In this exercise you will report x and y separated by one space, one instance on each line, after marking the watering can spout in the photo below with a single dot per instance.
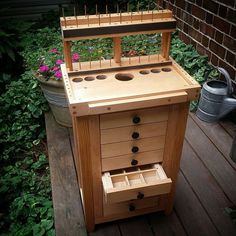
228 105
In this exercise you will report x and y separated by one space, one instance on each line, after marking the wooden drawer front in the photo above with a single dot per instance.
123 148
126 118
126 161
133 132
136 184
130 207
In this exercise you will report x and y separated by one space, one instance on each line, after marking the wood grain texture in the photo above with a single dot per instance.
108 229
216 133
138 226
67 54
166 225
68 212
190 211
117 49
212 196
125 118
85 162
96 165
178 115
218 166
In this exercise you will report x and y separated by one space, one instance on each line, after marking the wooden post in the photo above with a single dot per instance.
165 44
117 49
178 115
67 54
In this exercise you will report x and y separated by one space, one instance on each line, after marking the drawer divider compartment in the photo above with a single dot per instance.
128 184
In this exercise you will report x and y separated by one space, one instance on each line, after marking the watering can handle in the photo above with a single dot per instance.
228 79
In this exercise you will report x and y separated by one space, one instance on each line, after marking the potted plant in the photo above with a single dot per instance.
49 76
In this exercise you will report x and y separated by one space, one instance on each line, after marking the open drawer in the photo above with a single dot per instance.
135 183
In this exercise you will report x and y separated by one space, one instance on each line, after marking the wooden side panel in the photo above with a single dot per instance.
165 44
81 129
174 141
117 49
67 54
95 150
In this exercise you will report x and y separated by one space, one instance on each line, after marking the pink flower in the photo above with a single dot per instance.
54 50
55 68
43 69
75 57
58 74
59 62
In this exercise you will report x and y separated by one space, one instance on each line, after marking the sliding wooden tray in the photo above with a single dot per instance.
144 182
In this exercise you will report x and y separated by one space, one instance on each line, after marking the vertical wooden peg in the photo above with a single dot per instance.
63 15
67 53
117 49
96 9
106 10
85 10
120 17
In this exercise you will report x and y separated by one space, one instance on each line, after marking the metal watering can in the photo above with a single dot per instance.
216 100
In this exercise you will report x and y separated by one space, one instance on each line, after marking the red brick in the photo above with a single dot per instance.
180 3
208 53
223 11
186 38
230 58
198 12
201 50
229 2
193 43
205 41
217 49
233 31
227 67
207 29
199 2
214 59
230 43
188 18
231 16
196 23
195 34
221 24
186 28
180 24
211 6
209 18
218 37
188 7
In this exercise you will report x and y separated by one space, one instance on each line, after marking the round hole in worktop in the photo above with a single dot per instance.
89 78
124 76
144 72
101 77
78 79
155 70
166 69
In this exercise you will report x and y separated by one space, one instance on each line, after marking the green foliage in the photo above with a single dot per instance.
22 106
197 66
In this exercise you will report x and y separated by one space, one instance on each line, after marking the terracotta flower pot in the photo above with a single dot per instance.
55 95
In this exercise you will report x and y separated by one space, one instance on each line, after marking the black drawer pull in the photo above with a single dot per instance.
134 162
140 195
134 149
136 119
131 207
135 135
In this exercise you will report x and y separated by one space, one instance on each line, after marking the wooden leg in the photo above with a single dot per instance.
67 53
178 115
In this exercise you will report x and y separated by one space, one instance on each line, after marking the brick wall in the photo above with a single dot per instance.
210 25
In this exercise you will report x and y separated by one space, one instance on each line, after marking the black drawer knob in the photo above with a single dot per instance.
140 195
134 149
136 119
135 135
131 207
134 162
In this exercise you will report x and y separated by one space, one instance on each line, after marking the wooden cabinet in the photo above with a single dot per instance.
118 180
129 116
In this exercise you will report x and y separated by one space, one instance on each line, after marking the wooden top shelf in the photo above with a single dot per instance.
116 24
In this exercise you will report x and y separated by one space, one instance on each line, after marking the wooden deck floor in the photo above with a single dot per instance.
206 186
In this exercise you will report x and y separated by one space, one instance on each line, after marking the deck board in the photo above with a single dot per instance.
205 186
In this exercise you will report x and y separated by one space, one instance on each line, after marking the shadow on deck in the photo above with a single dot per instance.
206 186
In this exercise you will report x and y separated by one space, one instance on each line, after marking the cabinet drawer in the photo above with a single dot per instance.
135 117
134 146
133 132
130 207
126 161
140 183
